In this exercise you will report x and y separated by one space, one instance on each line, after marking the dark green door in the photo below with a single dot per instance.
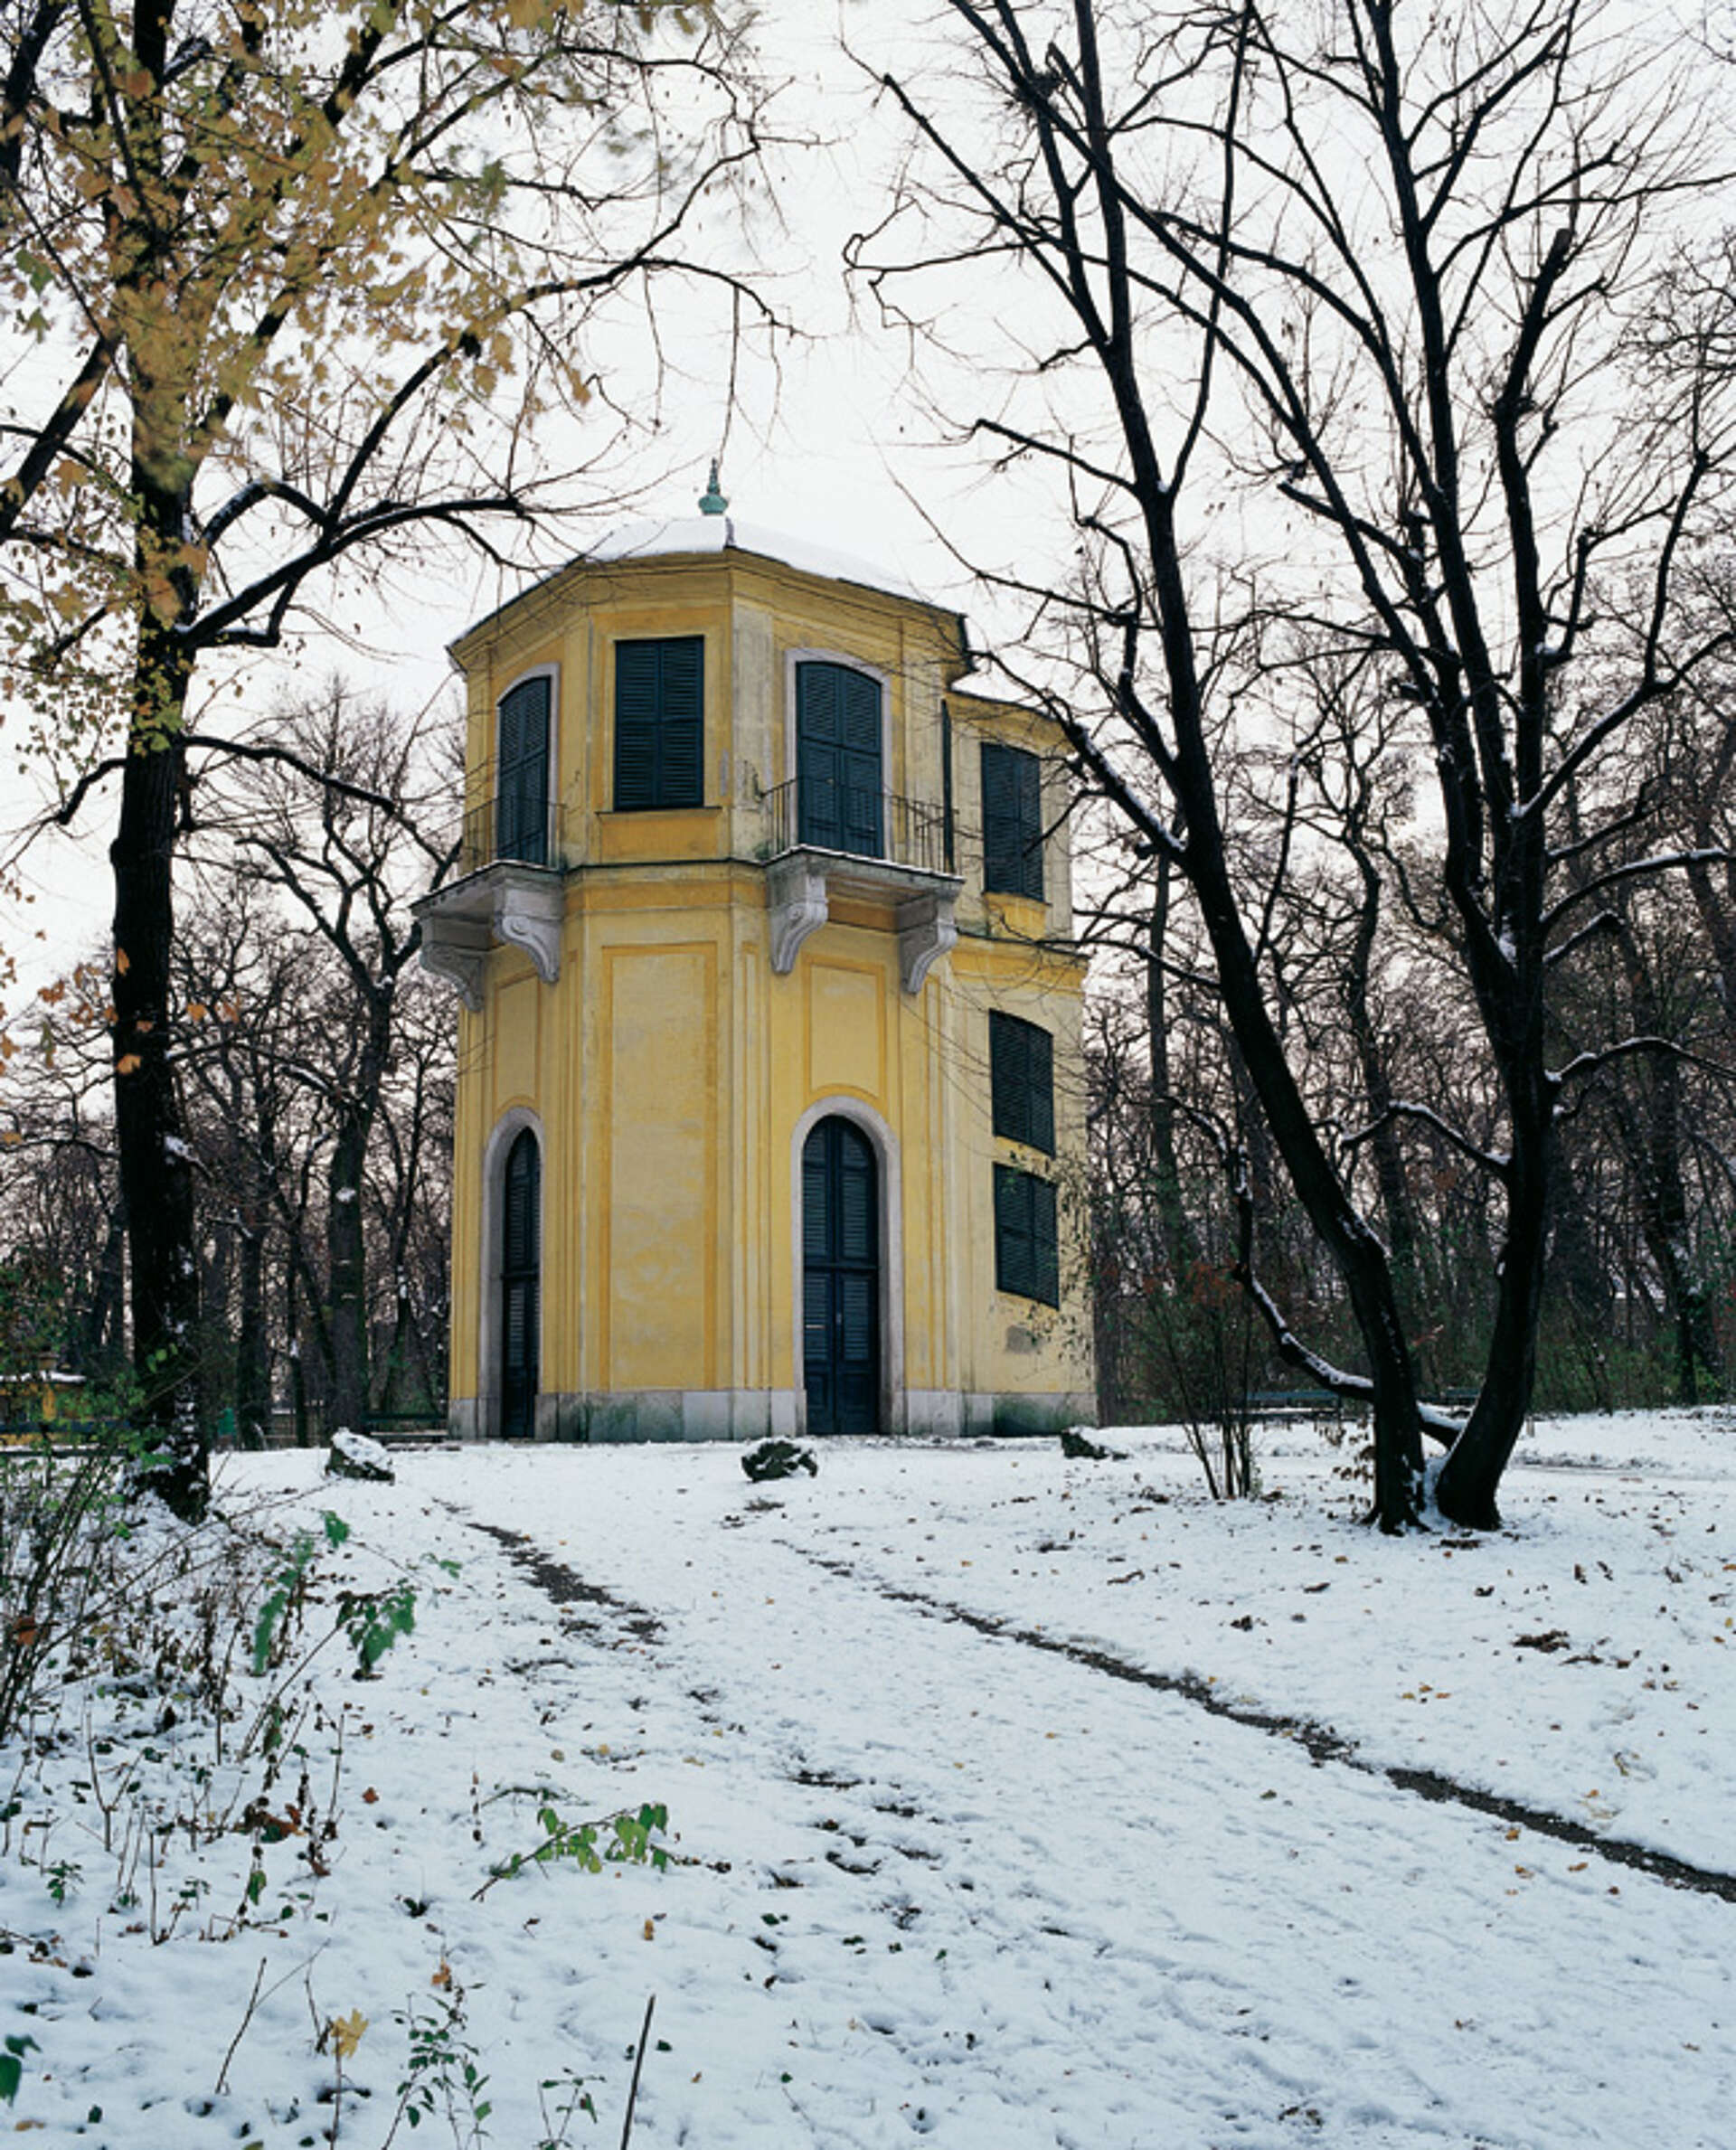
519 1281
837 759
840 1281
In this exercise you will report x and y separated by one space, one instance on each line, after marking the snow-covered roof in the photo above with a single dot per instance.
654 538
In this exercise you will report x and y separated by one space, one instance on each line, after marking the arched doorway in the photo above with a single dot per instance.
840 1280
520 1285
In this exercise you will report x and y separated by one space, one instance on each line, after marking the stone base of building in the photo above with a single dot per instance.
762 1414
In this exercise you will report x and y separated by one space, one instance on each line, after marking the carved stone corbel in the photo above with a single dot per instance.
529 916
796 897
927 929
457 949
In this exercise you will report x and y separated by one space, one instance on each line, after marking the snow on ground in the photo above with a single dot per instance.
925 1878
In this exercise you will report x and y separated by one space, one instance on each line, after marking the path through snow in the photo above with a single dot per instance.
937 1881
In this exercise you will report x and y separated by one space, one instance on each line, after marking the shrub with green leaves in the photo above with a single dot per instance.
370 1620
11 2064
632 1839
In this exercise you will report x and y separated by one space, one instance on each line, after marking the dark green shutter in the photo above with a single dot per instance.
946 787
1045 1242
816 1234
1012 821
636 724
1000 817
1022 1081
861 765
856 1295
522 768
660 723
1026 1242
838 759
1011 1231
522 1176
520 1280
1041 1090
682 729
819 806
857 1223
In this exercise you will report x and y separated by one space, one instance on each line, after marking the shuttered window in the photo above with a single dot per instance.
660 723
1012 821
1022 1081
838 759
1027 1256
522 801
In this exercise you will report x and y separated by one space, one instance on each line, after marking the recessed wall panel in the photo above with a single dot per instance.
846 1029
518 1013
661 1198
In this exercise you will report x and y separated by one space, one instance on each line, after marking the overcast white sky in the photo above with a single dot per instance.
827 440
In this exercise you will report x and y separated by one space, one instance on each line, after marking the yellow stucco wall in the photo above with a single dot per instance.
668 1070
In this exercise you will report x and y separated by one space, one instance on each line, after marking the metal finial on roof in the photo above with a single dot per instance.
711 501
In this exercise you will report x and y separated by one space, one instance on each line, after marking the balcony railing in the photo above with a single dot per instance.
507 889
856 844
510 829
900 832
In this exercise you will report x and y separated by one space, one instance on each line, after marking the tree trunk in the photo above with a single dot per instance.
155 1168
300 1418
1655 1159
1577 1266
1377 1086
346 1283
252 1359
214 1371
1466 1489
1357 1251
104 1335
1717 907
346 1311
1180 1247
1575 1258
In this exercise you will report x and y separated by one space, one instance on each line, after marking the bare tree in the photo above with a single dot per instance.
344 849
249 993
1352 334
60 1219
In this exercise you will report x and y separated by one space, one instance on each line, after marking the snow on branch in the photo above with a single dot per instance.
1661 861
1492 1161
1584 1064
